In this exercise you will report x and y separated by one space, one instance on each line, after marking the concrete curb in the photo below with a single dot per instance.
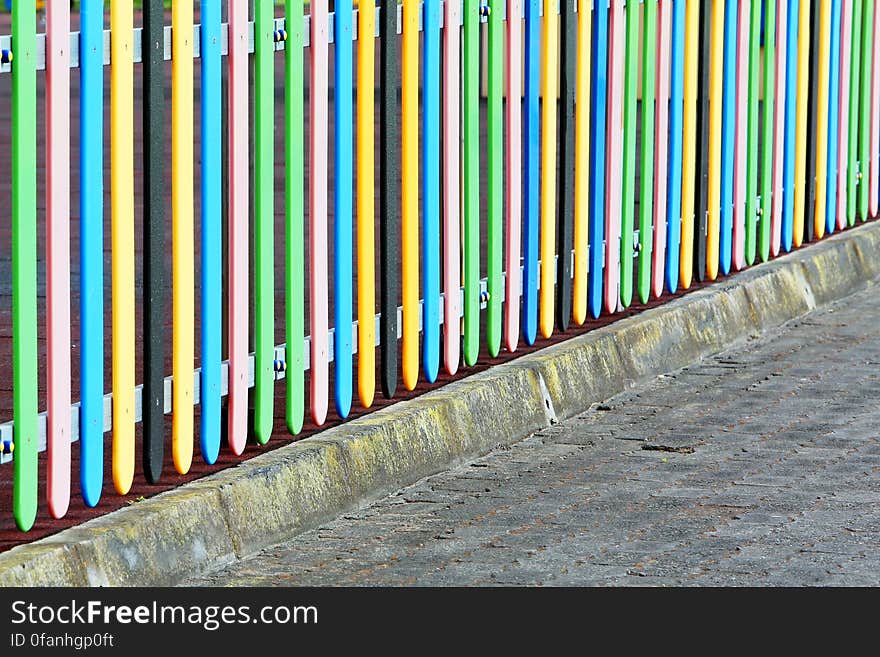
230 514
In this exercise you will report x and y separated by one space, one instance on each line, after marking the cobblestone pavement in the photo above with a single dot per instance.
760 466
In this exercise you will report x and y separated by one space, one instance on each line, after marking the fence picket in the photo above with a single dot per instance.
532 179
581 234
431 172
514 174
599 139
238 226
874 193
91 245
410 192
366 180
674 215
753 200
318 284
789 123
741 145
689 145
153 393
211 230
613 182
549 89
728 137
648 135
823 112
833 118
58 255
661 218
864 125
628 190
24 263
264 221
852 149
801 90
451 188
182 234
122 239
809 130
704 149
471 181
343 143
779 127
566 146
494 176
389 183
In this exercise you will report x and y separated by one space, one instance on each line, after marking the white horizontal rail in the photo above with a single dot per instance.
6 42
7 428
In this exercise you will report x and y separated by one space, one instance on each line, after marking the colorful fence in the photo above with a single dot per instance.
690 139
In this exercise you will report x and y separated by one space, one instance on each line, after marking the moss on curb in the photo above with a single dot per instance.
233 513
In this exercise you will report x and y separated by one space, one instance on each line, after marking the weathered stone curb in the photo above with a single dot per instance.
292 489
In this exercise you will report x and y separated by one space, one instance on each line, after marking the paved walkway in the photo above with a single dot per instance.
758 467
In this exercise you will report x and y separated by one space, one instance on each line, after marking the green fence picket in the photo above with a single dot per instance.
630 103
24 261
294 217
